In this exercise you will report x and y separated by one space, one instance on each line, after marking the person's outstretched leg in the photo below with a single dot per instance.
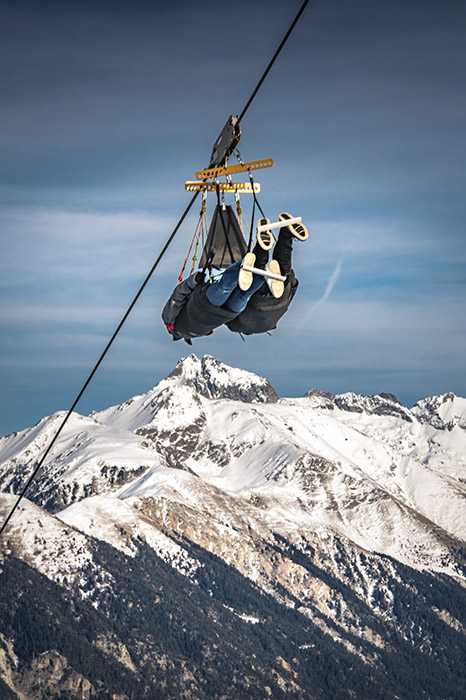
262 256
284 247
219 291
283 251
239 298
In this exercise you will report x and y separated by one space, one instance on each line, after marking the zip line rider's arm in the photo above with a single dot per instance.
178 299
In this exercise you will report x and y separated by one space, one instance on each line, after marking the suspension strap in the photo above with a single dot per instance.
239 212
252 224
195 238
222 218
200 234
255 203
189 251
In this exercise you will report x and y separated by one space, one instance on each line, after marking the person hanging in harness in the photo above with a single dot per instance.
272 300
195 307
239 299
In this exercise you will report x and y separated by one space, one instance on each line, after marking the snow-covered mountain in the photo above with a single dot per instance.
386 478
315 499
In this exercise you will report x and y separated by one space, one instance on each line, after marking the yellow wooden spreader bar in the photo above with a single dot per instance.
230 169
194 186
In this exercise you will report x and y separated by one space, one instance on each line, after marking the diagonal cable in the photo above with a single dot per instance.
272 60
143 285
98 363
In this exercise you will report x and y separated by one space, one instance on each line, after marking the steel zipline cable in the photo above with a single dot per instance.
272 60
96 367
41 462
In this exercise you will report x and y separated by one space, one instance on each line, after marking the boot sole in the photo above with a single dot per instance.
277 287
265 238
299 231
245 277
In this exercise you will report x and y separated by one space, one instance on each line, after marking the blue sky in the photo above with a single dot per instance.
109 107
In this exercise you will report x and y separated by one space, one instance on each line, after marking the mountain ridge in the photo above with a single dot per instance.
372 445
335 507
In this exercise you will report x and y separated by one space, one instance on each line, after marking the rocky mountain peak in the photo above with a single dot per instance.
378 404
443 412
215 380
383 404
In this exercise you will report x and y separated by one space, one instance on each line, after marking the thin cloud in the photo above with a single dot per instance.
331 283
328 290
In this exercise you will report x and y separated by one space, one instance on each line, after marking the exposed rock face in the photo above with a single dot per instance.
50 675
179 421
214 380
378 405
443 412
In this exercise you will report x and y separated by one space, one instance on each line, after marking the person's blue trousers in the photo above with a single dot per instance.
225 291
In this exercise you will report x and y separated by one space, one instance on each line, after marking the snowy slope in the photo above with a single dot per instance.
44 541
88 457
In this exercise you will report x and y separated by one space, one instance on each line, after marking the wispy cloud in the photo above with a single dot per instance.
328 290
331 283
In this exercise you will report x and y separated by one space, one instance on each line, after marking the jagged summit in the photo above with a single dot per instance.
443 412
383 404
215 380
178 394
